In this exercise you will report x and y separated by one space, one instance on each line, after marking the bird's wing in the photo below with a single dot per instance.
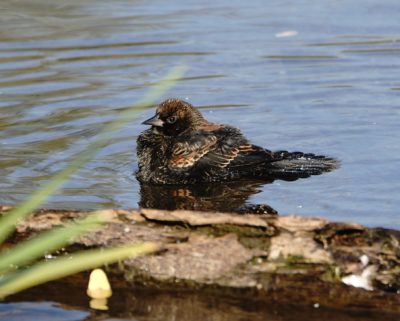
188 151
250 155
223 148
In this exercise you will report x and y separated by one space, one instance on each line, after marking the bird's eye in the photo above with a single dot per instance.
171 119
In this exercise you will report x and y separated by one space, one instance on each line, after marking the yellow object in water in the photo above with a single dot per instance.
99 287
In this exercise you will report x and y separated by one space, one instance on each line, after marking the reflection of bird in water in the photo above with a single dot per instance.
221 197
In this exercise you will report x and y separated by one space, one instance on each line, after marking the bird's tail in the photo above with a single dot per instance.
291 166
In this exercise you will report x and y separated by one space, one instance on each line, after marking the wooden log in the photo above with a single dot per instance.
289 259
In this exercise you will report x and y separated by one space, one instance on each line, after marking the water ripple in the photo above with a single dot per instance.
68 68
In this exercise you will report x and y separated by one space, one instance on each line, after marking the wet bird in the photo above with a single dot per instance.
182 147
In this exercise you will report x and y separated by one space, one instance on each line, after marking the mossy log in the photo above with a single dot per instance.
290 259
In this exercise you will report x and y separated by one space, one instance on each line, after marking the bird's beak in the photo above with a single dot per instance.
154 121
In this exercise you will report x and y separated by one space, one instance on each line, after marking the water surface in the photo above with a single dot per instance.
144 305
304 75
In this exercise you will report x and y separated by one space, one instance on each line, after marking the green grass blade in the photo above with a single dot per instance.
8 221
77 262
47 242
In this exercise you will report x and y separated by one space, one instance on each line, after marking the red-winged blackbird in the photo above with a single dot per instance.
182 147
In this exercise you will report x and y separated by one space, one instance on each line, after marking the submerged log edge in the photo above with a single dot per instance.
291 259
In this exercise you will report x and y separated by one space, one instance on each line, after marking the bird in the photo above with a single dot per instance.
181 147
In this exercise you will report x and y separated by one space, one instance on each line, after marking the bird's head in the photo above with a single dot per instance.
175 116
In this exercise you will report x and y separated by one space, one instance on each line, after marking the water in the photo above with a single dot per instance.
138 305
313 76
26 311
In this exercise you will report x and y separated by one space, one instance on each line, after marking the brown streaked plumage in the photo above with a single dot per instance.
182 147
